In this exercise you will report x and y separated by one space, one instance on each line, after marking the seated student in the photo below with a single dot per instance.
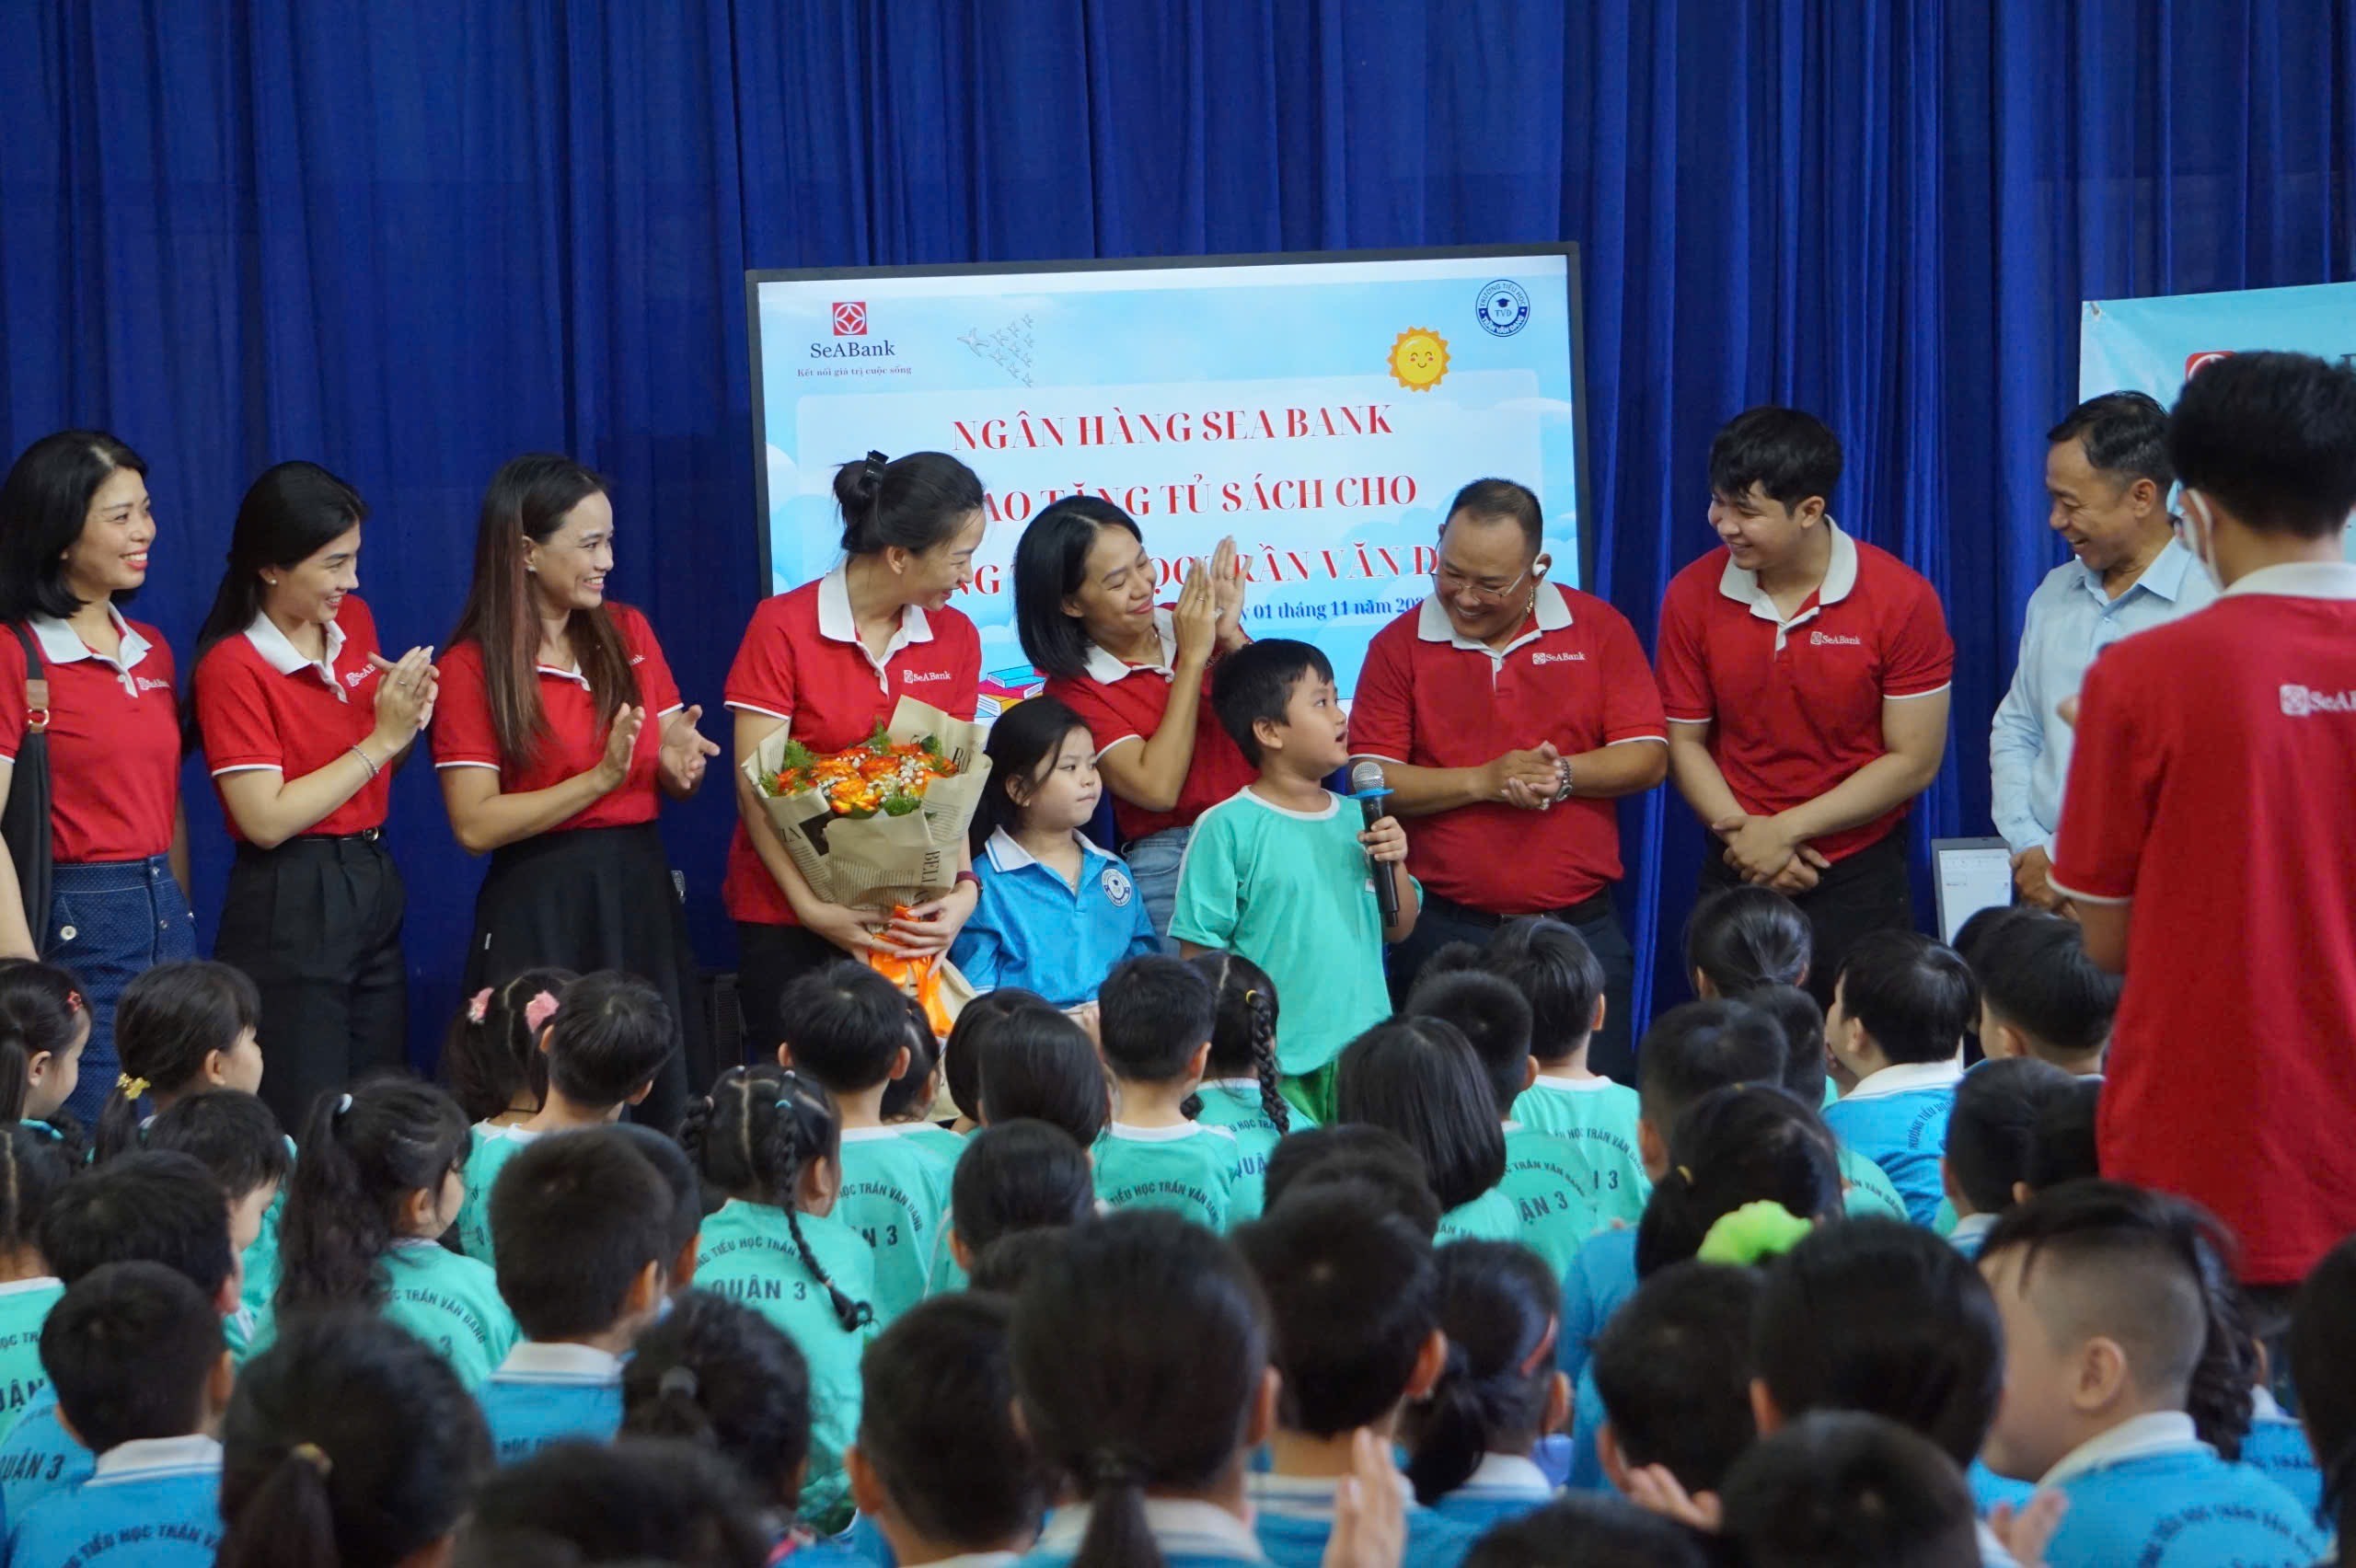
939 1468
2320 1349
1672 1375
1016 1176
850 1034
1901 1005
1587 1530
180 1028
770 1140
603 1044
32 1169
636 1501
1386 1169
1549 963
1353 1295
678 1173
908 1099
1242 1089
968 1042
2041 994
44 1023
1139 1348
1418 1078
1040 1064
236 1138
1278 872
1545 1179
2061 1142
1740 939
135 1354
1470 1443
1006 1265
1989 1135
1802 1021
2276 1443
1883 1317
1053 912
583 1225
1155 1017
720 1376
491 1060
1841 1490
142 1207
2111 1352
380 1177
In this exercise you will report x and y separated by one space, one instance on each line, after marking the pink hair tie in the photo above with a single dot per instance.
537 1011
478 1006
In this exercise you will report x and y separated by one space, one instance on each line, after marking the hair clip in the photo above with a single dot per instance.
314 1456
133 1088
1542 1349
72 1001
873 469
343 1104
537 1011
1251 996
680 1381
1751 1234
478 1006
1686 1171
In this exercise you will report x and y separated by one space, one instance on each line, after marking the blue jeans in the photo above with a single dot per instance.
108 921
1153 865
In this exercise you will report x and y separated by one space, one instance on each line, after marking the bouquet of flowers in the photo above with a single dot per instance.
879 825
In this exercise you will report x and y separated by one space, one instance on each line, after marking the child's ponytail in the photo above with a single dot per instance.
806 1128
2219 1398
491 1059
1500 1309
171 1019
1738 1145
33 1167
362 1152
1244 1037
718 1374
754 1136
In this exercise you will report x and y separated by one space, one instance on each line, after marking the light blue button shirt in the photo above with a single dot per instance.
1032 928
2071 619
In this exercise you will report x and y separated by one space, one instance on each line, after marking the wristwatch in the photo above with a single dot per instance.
1568 790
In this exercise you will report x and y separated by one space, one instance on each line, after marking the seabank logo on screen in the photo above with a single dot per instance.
850 338
850 318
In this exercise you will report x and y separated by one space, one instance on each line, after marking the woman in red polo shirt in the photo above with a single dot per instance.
829 660
559 730
1138 672
75 525
301 723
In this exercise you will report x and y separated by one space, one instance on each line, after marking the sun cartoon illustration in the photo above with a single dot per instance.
1419 359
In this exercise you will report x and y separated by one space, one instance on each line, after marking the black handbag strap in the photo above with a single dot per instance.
35 682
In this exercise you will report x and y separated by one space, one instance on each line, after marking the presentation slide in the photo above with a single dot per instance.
1320 411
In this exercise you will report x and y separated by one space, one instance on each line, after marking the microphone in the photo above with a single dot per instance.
1367 790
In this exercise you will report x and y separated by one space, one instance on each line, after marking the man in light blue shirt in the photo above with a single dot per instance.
2107 472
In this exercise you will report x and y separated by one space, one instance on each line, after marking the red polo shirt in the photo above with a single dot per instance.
1123 703
573 741
260 705
801 661
2208 786
114 748
1575 675
1794 706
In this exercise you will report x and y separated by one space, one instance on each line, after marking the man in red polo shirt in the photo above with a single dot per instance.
2206 842
1508 713
1804 673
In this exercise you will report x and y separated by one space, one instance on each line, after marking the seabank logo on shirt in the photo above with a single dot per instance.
353 677
147 685
2303 702
910 678
1558 658
1833 640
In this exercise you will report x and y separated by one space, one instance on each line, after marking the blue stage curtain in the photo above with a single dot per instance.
410 241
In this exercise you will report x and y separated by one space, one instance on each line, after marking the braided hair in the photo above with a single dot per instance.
1244 1038
754 1136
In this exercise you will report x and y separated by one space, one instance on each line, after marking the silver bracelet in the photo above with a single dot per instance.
1567 789
372 768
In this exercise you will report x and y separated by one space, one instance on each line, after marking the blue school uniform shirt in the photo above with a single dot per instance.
1969 1233
1502 1488
492 1148
1234 1104
545 1393
2277 1446
1601 1276
2148 1493
24 1307
1547 1180
1294 1517
1191 1535
1188 1169
37 1459
1898 1119
154 1503
1600 1118
895 1195
1032 928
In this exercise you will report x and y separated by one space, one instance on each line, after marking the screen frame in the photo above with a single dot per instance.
1582 486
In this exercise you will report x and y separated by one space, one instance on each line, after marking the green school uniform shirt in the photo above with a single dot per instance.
895 1195
1291 891
1234 1104
1188 1169
1547 1181
937 1140
1492 1217
1871 1192
24 1307
746 1253
1599 1117
261 1260
453 1303
492 1148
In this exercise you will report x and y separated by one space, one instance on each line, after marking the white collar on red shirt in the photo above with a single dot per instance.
2300 580
278 651
1546 603
1107 667
836 624
61 644
1840 578
1905 1077
2141 1436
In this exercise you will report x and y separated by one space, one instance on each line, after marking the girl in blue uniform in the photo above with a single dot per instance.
721 1375
1470 1443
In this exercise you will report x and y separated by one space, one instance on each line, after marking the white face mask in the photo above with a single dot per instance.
2201 534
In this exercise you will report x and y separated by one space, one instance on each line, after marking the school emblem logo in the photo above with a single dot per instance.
850 318
1117 887
1503 308
1418 359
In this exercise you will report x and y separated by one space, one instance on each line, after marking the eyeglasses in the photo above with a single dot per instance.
1451 582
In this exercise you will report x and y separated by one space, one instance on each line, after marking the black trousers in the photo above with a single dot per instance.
1611 1052
769 959
317 925
1865 892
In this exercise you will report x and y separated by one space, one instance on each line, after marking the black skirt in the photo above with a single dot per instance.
595 898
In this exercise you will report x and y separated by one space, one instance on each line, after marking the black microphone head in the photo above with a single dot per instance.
1366 776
